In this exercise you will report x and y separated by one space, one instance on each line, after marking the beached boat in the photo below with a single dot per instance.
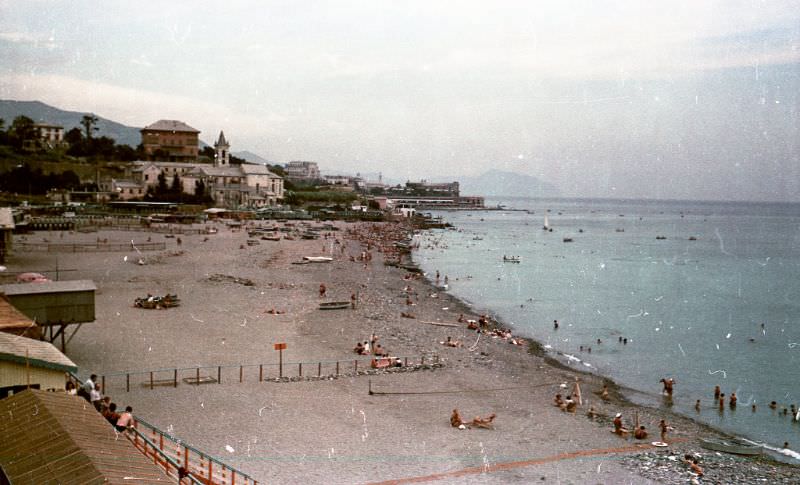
334 305
733 445
317 259
273 237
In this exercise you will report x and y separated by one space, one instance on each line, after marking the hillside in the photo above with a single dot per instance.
43 113
496 183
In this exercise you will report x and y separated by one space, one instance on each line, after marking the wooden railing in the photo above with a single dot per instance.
181 459
88 247
216 374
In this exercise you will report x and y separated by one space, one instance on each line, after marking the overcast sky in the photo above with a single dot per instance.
682 99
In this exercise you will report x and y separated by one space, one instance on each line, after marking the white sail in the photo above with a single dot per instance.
546 223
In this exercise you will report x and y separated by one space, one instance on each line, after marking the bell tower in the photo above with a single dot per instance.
222 155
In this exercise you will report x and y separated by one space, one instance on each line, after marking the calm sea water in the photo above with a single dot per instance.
691 309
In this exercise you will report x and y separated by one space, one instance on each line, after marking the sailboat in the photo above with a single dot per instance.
546 226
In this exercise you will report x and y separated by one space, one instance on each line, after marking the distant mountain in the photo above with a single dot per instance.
42 113
496 183
252 157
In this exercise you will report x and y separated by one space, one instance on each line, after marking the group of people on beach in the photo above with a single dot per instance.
91 391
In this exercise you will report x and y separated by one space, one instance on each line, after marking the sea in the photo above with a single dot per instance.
705 293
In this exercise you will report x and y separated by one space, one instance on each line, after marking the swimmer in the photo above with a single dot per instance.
668 383
697 405
555 324
716 392
732 400
773 405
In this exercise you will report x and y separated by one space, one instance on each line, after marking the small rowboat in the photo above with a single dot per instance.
735 446
317 259
334 305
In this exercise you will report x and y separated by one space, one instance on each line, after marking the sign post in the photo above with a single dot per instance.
279 347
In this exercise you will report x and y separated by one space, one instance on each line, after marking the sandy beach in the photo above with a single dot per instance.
332 430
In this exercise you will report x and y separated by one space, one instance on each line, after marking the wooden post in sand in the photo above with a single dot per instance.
280 347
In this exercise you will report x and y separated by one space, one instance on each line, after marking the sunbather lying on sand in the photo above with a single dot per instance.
486 422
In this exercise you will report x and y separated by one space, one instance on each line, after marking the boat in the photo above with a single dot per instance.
733 445
512 259
546 225
317 259
274 237
334 305
567 239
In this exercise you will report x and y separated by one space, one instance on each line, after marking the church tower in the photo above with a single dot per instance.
222 155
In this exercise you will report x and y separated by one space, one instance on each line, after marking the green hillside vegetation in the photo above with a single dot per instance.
28 167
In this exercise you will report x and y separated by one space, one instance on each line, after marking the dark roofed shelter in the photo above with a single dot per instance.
54 304
52 437
15 322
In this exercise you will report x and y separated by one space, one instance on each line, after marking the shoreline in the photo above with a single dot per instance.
562 359
348 435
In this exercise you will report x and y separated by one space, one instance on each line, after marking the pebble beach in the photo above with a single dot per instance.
237 300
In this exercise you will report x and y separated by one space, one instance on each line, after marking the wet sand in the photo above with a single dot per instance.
333 430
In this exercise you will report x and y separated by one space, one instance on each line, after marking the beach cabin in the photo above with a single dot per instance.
52 437
6 232
54 305
28 363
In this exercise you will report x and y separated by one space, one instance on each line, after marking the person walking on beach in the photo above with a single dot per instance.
322 290
664 428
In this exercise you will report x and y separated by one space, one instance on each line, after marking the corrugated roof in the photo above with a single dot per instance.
48 287
250 168
38 353
223 171
171 125
11 318
6 218
52 437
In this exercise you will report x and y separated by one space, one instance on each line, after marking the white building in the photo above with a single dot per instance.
232 186
302 171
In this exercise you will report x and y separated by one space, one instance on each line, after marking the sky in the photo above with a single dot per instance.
687 99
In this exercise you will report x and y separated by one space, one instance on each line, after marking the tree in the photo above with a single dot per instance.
89 121
162 188
21 130
126 153
73 136
209 152
176 189
199 189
